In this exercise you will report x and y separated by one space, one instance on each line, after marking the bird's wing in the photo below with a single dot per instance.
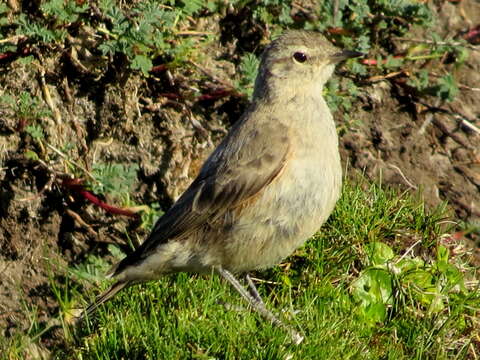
235 172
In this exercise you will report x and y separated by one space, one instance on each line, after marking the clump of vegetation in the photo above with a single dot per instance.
142 32
348 279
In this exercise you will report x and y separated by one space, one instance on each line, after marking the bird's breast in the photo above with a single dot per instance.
293 206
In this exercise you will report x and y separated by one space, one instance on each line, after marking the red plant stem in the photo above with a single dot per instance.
76 185
217 94
13 55
375 62
339 31
473 35
158 68
171 96
108 208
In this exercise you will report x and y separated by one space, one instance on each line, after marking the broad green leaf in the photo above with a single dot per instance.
379 253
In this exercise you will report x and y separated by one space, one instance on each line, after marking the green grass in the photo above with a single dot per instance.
182 316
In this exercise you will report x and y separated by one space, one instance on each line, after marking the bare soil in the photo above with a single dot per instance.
123 118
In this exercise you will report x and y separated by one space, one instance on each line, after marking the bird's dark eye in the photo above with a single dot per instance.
300 57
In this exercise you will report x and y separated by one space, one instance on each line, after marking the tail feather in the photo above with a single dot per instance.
104 297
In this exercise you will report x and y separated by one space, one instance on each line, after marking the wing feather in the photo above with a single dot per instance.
240 168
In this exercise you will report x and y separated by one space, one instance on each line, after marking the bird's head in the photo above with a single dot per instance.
299 57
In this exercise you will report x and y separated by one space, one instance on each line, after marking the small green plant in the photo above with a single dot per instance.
407 283
4 9
146 31
35 131
141 31
64 12
52 27
151 215
137 36
95 267
27 108
366 26
370 26
29 111
273 12
38 31
446 88
339 96
115 180
363 25
248 72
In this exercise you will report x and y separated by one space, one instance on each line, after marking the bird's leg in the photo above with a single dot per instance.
253 289
258 305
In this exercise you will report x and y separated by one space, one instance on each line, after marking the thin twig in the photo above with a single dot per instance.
48 97
47 186
378 78
336 6
408 251
262 281
13 39
403 176
466 87
61 154
443 128
428 118
194 33
433 42
78 219
213 77
456 114
467 123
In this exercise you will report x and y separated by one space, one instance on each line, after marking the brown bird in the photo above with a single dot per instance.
269 186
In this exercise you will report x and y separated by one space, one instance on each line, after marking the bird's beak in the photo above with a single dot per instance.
345 54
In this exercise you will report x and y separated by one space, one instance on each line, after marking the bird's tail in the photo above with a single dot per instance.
102 298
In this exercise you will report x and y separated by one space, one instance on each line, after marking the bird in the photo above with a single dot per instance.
264 190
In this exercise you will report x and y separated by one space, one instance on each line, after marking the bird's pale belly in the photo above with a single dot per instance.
287 214
265 232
